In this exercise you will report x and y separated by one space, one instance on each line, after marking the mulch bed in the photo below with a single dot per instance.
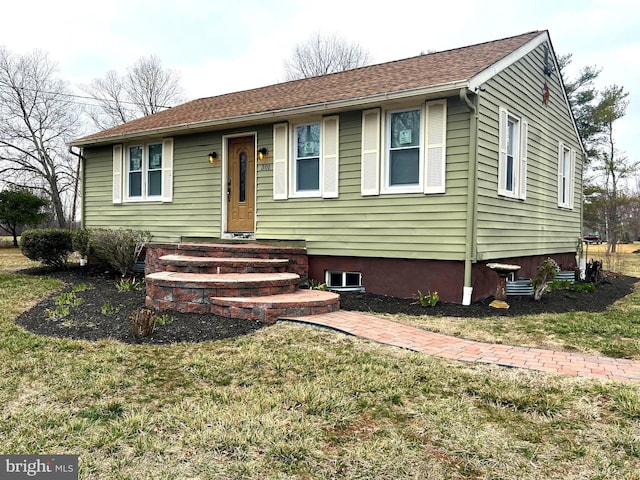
87 321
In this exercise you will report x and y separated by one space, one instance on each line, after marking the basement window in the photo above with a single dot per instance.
344 281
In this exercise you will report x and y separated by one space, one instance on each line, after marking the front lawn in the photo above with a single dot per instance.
291 401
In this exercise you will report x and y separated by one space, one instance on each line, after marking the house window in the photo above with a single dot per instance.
404 151
306 159
566 162
306 162
512 162
144 171
344 281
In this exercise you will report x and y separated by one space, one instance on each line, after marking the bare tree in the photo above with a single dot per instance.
37 117
146 88
322 54
611 164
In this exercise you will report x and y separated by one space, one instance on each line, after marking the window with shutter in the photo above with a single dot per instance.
512 155
415 149
315 159
148 174
566 167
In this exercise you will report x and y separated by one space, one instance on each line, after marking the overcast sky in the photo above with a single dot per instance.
225 46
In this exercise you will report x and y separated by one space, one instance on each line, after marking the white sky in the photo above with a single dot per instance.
222 46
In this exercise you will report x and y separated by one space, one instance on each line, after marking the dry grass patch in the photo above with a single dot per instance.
295 402
615 332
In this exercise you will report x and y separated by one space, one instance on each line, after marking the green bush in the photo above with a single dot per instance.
50 246
80 241
118 247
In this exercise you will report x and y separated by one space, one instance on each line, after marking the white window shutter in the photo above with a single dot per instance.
571 177
330 156
560 151
280 160
117 173
524 138
436 147
370 164
502 152
167 170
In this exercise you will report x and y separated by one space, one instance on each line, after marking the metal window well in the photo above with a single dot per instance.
523 287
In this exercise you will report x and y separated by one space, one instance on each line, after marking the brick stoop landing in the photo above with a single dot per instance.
246 281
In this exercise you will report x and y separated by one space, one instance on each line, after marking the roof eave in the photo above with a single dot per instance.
280 114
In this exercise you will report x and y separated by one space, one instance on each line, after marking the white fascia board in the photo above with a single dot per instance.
488 73
431 91
476 81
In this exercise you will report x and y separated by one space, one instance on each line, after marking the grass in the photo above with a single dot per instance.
297 402
614 333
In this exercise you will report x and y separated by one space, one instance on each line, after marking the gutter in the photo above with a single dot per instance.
472 196
79 185
277 115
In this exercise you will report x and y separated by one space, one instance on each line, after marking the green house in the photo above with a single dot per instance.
403 176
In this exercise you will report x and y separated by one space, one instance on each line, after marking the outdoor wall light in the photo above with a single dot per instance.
262 153
212 157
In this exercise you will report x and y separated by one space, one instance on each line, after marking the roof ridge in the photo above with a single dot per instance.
365 67
433 70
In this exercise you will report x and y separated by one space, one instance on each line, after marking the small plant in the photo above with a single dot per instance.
316 285
559 285
583 287
144 321
108 309
81 287
58 312
429 299
129 284
545 273
68 298
64 302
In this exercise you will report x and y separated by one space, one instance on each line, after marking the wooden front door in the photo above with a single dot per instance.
241 184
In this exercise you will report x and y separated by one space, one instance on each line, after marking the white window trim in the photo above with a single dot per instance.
328 163
567 202
520 156
385 170
295 193
121 172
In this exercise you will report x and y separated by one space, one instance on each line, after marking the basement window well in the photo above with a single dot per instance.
344 281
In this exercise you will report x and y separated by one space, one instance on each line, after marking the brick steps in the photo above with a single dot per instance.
270 308
217 265
247 281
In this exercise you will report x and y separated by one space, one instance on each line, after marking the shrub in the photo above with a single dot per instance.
80 241
545 273
118 247
50 246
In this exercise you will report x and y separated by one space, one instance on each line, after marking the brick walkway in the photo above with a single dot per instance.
404 336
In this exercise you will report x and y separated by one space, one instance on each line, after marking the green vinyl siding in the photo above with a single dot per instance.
508 227
196 209
416 225
387 225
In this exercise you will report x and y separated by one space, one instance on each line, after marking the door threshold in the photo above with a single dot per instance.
239 236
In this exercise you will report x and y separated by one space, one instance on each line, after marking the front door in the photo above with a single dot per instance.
241 184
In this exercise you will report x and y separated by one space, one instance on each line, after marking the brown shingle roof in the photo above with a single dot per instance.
440 68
